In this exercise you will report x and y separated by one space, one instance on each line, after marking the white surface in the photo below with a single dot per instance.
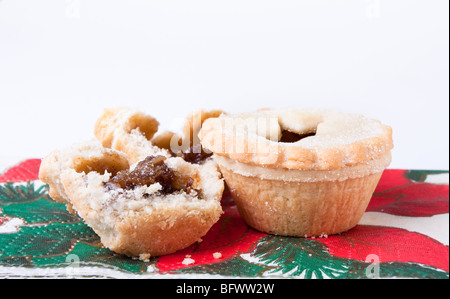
62 62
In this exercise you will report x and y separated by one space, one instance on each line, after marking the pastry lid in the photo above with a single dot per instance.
308 139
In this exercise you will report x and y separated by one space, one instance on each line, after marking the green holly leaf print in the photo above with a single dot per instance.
277 256
237 266
309 258
43 210
12 193
44 241
299 256
32 204
50 236
411 270
421 175
88 254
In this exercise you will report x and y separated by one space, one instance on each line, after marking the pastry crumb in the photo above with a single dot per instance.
145 257
217 255
188 261
151 268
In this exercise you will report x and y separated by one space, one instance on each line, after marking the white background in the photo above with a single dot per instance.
63 61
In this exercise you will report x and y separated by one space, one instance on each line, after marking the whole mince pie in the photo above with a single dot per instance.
299 172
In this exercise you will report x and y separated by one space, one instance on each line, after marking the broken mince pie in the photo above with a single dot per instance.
157 207
135 194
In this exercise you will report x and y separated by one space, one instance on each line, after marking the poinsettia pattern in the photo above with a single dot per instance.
27 170
400 195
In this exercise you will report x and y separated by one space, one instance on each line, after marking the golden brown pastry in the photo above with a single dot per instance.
194 122
136 134
299 172
129 131
157 207
132 190
101 160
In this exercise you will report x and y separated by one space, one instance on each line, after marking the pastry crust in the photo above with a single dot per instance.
149 210
341 139
299 172
142 222
292 175
129 131
123 120
136 134
194 122
165 139
301 209
102 159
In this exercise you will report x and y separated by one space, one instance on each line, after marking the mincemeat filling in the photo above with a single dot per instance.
150 171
